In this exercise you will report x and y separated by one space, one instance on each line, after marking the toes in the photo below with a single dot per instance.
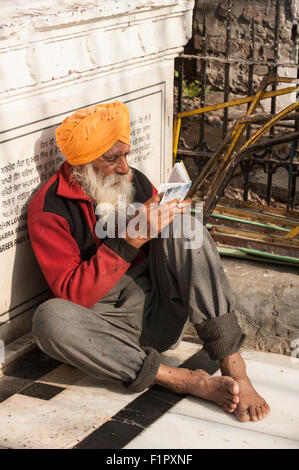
236 399
253 413
232 402
231 385
265 409
242 415
228 408
235 389
259 413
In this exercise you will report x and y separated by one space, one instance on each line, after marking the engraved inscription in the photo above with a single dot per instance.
18 183
140 139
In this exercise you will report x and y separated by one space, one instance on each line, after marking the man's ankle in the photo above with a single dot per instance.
233 366
177 380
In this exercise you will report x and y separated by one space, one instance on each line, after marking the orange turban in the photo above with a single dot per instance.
90 132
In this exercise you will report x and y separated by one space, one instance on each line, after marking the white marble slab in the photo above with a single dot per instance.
176 431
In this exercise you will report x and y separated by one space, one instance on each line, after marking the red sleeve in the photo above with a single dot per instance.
70 278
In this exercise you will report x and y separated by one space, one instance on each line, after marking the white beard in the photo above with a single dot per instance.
102 189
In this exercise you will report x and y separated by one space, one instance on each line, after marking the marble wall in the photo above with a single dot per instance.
56 57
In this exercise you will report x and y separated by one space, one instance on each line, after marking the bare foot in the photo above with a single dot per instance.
251 406
220 390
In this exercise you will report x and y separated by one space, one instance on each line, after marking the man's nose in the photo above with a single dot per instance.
122 165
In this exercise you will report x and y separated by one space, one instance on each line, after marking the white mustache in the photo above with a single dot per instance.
104 188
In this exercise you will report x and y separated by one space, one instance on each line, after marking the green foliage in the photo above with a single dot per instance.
191 88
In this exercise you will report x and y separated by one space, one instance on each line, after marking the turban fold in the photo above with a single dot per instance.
90 132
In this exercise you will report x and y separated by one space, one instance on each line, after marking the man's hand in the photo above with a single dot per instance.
155 218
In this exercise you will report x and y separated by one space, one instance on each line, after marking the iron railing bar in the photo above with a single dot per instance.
227 67
274 68
180 80
238 61
236 102
246 166
203 80
250 71
294 153
253 148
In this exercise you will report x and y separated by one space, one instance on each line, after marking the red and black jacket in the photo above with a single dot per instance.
77 265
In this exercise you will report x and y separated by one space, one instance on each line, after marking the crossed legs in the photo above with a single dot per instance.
196 277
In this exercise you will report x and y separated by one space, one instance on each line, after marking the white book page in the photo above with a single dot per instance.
178 184
176 191
179 174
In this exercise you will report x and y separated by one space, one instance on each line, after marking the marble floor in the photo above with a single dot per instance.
48 405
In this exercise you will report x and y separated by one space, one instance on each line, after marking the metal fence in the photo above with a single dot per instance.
266 158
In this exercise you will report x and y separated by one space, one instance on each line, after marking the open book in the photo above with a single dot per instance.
178 184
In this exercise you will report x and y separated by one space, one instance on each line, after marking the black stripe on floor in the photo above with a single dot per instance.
128 423
41 390
31 368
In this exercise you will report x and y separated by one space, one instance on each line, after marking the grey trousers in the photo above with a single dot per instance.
146 312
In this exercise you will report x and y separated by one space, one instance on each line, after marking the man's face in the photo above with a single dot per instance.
114 161
107 177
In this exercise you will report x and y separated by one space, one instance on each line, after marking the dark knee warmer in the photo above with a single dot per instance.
147 373
221 336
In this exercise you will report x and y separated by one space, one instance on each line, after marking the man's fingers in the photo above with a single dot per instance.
154 199
159 216
167 206
176 208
